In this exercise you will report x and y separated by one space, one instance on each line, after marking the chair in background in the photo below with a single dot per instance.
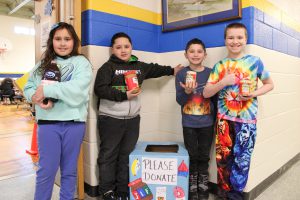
18 100
6 99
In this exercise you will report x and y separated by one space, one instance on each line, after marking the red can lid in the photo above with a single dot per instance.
129 72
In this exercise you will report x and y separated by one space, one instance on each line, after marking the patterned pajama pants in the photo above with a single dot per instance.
234 146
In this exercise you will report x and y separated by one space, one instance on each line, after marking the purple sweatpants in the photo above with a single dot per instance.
59 146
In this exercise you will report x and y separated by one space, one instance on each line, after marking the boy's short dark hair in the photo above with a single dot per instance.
119 35
235 25
195 41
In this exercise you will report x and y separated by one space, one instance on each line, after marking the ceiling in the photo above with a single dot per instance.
17 8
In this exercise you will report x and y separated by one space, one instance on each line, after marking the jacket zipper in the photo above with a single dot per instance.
129 107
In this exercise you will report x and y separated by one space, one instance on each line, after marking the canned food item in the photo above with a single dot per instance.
190 77
51 75
131 81
140 190
245 87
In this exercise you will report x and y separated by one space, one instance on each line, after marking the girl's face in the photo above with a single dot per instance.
195 55
235 41
122 48
63 42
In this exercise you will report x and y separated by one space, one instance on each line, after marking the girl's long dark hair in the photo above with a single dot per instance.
50 54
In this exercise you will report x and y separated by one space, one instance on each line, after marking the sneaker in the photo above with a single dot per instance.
193 194
122 196
221 194
110 195
203 193
235 195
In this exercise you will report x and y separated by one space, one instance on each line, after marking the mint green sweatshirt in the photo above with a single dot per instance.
72 92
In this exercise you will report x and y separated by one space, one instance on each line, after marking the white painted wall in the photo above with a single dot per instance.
290 7
279 123
21 58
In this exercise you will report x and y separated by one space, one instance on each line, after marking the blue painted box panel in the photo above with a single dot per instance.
157 175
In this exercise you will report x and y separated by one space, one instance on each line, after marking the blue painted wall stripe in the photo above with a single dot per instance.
98 27
263 30
11 75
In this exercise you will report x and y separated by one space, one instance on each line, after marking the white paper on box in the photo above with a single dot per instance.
159 171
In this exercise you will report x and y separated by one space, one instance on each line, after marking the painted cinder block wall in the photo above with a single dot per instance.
273 35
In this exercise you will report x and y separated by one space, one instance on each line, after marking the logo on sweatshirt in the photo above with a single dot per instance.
121 71
49 75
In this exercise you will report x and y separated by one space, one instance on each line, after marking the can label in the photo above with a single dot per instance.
190 77
245 87
131 80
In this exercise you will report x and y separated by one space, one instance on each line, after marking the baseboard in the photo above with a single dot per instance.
255 192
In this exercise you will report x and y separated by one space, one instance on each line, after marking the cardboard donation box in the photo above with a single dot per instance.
159 171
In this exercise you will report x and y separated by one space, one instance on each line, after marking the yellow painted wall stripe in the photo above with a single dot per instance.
272 10
245 3
133 12
124 10
22 81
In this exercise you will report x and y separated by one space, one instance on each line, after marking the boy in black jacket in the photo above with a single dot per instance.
119 119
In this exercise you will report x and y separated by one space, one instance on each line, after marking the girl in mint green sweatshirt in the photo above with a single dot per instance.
61 109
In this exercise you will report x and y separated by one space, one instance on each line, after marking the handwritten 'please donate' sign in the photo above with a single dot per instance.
160 171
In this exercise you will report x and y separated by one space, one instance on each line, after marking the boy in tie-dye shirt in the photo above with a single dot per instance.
236 118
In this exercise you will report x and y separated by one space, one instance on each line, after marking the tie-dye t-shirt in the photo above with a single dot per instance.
230 107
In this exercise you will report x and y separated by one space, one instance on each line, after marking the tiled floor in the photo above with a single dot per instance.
17 175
